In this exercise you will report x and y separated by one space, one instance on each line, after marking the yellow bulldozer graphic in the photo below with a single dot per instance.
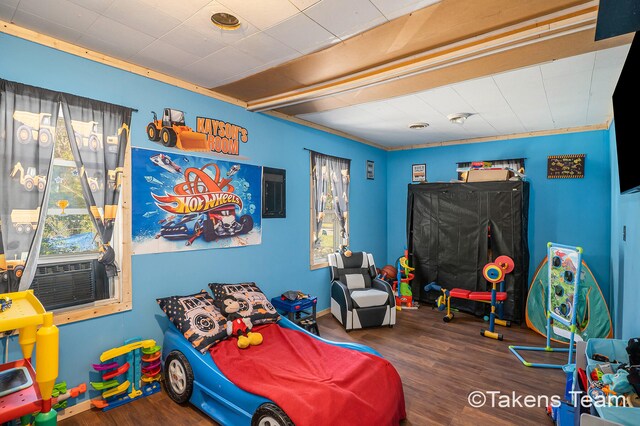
16 267
29 179
172 131
34 126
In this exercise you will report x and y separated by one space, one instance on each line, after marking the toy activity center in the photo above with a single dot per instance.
319 212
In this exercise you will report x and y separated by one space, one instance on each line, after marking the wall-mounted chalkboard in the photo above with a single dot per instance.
565 166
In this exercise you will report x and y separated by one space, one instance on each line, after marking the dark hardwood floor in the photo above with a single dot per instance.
440 365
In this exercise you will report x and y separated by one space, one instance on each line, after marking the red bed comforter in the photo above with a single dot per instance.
313 382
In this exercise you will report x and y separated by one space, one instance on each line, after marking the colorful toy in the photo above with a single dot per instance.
618 382
493 272
237 325
565 267
404 296
61 394
26 315
135 378
5 303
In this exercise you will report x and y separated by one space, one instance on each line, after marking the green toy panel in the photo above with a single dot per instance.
563 269
592 316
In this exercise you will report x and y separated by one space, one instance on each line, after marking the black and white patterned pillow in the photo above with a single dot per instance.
253 303
196 317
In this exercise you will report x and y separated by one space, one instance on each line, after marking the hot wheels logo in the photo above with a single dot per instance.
199 203
200 192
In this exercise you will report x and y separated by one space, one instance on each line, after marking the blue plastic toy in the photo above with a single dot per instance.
212 392
565 265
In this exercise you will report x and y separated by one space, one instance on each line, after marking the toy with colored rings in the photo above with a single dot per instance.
492 273
505 263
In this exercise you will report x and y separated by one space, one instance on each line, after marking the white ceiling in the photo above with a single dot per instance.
177 37
569 92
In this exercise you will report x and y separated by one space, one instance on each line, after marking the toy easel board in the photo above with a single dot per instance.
564 278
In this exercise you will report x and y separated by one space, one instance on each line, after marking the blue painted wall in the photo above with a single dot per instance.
378 207
281 262
625 255
569 211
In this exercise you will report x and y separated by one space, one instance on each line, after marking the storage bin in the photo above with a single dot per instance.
615 349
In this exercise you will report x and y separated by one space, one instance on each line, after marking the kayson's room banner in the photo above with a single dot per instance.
186 202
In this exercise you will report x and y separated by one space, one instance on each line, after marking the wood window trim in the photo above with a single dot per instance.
123 302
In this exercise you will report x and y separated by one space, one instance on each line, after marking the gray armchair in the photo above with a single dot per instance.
358 299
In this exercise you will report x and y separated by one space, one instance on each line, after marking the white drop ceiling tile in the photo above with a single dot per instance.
155 65
43 26
476 124
101 44
392 9
95 5
381 111
486 99
505 122
138 15
122 39
193 42
445 100
345 19
302 34
171 55
604 82
600 110
178 9
201 22
60 12
266 48
613 57
303 4
563 88
523 89
416 110
568 66
235 64
263 14
7 11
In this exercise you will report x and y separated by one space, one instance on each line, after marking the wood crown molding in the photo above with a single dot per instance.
537 133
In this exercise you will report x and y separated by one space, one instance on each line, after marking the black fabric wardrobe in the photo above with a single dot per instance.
454 229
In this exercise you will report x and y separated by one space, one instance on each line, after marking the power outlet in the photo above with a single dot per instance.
624 233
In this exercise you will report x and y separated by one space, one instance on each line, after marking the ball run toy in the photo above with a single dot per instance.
404 296
61 394
565 268
138 376
494 273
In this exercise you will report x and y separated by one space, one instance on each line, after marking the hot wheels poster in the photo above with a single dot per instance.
185 202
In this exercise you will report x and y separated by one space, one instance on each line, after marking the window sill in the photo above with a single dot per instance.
81 313
319 266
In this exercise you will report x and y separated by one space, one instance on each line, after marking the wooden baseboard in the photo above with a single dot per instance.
75 409
323 312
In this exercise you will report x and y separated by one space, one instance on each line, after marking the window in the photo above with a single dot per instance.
68 272
330 178
62 188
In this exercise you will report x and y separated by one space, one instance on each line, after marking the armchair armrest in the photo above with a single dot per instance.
340 293
379 284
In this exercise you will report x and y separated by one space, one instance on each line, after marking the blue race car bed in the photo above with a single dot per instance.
194 377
